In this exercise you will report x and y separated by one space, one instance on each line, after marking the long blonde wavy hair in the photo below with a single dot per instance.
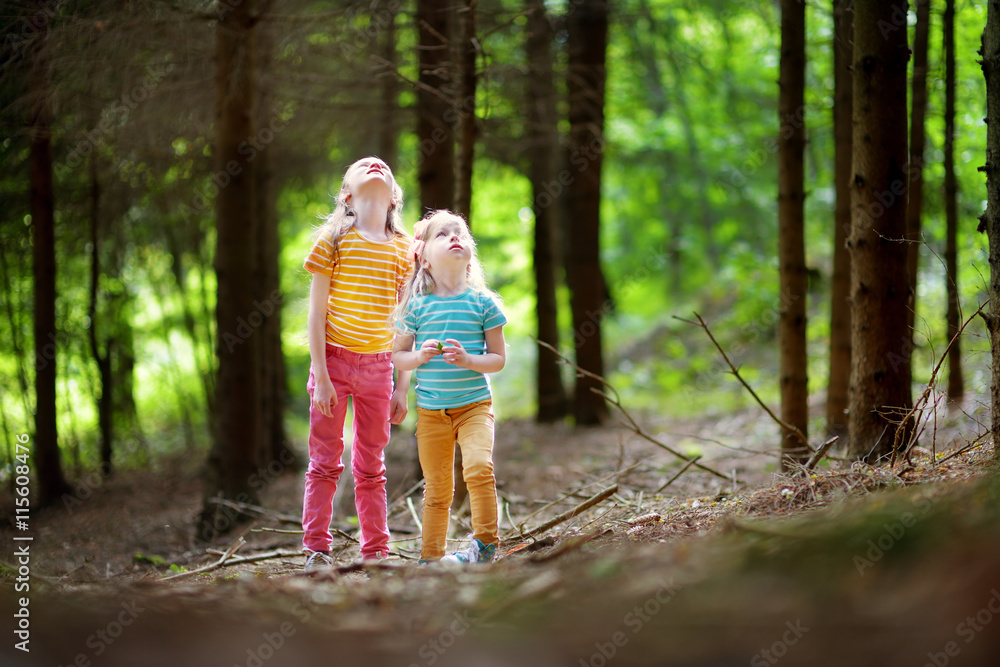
343 216
421 281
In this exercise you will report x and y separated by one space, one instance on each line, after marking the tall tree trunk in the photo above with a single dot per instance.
543 141
233 458
914 209
389 127
436 160
105 402
956 385
791 231
465 53
840 291
880 344
47 462
274 442
587 37
990 220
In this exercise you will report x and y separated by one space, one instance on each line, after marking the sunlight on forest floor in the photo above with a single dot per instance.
848 564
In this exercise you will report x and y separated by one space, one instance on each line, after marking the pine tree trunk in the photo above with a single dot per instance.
388 127
587 44
990 220
914 209
274 442
956 385
880 343
436 159
105 402
233 458
465 53
47 462
791 231
840 305
543 141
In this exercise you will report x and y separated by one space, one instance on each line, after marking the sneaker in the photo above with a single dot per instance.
318 560
476 552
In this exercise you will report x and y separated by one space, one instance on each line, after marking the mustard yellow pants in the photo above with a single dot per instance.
437 431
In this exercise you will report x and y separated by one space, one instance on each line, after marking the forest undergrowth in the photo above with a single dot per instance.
844 562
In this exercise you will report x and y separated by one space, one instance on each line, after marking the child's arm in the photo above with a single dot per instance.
491 362
324 396
405 358
398 405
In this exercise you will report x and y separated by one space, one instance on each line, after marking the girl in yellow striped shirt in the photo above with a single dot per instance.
359 266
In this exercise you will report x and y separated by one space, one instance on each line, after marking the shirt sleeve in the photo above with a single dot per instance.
410 319
320 259
403 266
493 317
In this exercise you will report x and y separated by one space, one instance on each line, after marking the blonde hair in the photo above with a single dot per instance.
421 281
343 216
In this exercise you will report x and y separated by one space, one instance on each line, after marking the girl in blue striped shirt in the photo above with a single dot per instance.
450 332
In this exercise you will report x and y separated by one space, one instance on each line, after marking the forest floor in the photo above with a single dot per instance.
843 565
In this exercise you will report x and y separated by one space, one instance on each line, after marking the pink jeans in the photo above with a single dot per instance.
368 378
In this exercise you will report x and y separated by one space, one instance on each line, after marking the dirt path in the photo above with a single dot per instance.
688 575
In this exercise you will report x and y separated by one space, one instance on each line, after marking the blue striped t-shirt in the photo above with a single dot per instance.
466 318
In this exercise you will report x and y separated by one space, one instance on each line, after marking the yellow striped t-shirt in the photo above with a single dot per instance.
365 281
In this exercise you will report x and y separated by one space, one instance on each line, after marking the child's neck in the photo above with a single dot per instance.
369 218
450 283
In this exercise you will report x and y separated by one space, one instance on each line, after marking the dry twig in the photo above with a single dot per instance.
569 514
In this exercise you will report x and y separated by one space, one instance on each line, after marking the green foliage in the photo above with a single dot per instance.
688 209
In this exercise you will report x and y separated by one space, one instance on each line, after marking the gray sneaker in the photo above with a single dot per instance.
318 560
476 552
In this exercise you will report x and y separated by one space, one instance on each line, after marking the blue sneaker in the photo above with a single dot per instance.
476 552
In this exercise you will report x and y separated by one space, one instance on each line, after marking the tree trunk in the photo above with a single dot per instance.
791 231
880 344
465 54
105 402
840 305
543 141
47 463
274 450
436 159
914 209
587 44
388 127
233 458
990 220
956 385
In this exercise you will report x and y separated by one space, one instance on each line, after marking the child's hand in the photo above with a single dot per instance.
397 407
324 396
431 348
455 354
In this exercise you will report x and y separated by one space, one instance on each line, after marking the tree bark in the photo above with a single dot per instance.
436 159
793 278
587 44
543 141
465 53
956 384
105 402
233 458
47 457
840 305
914 209
880 344
990 220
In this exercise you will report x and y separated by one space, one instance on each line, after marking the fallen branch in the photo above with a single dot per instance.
736 372
233 548
920 402
679 473
568 545
256 510
821 452
631 424
569 514
413 513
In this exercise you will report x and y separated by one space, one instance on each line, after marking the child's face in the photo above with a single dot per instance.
369 173
449 244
